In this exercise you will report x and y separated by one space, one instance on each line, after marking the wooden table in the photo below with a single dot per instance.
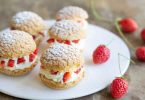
108 9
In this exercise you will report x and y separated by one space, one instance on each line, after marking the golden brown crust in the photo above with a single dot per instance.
62 57
71 12
28 21
18 72
62 69
14 44
55 85
66 30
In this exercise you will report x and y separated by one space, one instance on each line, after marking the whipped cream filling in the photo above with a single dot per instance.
16 66
60 75
80 45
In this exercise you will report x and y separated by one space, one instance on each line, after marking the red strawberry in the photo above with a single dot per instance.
140 53
128 25
41 33
119 87
11 63
3 63
76 41
101 54
20 60
66 76
31 57
67 42
54 72
34 37
143 35
36 51
50 40
60 41
78 70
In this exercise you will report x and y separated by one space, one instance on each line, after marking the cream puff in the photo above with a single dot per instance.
73 13
67 32
31 23
18 53
61 66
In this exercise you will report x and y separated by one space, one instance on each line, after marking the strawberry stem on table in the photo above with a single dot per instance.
122 34
127 58
119 65
96 15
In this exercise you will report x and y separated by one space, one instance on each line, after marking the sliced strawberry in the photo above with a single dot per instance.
75 41
11 63
53 72
36 51
50 40
34 37
31 57
41 33
78 70
66 76
60 41
3 63
20 60
67 42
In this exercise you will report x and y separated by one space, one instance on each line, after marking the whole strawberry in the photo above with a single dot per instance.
101 54
143 35
128 25
119 87
140 53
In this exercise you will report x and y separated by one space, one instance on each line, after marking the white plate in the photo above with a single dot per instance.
97 76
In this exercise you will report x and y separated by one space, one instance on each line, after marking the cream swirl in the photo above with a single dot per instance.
60 75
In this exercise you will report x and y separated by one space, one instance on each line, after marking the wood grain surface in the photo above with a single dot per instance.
108 9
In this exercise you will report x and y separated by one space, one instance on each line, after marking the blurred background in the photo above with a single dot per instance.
107 9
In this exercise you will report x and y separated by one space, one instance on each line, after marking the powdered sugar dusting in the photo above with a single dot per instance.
24 16
28 22
15 43
67 30
61 54
6 37
72 12
11 37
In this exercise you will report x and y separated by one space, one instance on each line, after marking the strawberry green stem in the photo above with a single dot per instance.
97 16
112 39
122 35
